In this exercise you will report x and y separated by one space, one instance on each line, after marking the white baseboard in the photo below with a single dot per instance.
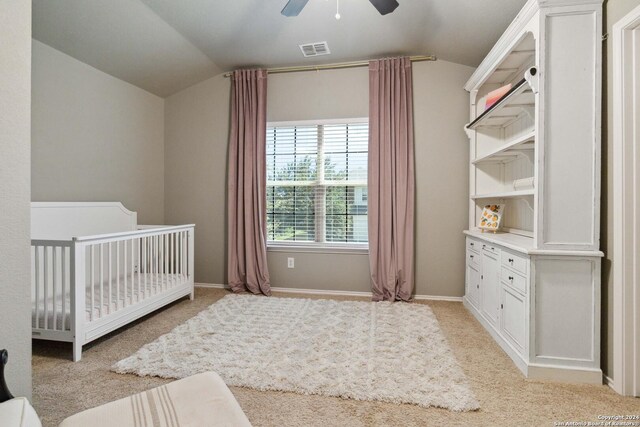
609 381
332 293
437 298
211 285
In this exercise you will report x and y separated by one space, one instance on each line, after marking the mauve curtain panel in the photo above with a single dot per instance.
391 179
247 199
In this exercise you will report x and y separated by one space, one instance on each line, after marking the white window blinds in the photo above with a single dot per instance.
317 182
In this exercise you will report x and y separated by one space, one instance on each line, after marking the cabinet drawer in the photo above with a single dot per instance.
473 245
514 280
473 258
491 248
516 262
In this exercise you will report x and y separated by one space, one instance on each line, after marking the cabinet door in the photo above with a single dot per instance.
513 317
473 284
490 287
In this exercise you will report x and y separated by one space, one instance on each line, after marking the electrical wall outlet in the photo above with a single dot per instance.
291 262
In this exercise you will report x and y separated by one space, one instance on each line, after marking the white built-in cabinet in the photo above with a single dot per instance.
535 285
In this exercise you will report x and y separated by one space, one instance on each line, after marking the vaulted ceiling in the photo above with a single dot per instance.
164 46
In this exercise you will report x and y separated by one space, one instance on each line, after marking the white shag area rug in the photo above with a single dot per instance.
391 352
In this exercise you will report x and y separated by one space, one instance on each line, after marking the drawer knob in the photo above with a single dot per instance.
511 260
471 256
511 278
471 244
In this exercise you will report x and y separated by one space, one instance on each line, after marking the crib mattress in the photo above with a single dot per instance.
56 315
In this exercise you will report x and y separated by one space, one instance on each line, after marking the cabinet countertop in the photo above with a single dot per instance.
525 245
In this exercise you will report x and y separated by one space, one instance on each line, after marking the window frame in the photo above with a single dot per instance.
318 247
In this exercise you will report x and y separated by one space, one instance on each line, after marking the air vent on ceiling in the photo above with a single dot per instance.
315 49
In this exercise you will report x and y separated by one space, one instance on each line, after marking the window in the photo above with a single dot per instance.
317 182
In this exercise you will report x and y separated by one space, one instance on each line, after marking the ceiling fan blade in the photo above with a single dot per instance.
294 7
385 6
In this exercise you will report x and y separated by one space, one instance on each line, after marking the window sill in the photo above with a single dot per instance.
319 249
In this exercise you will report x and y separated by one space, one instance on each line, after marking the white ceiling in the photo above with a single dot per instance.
164 46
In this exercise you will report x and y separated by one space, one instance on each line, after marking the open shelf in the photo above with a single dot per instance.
520 99
509 150
504 195
513 64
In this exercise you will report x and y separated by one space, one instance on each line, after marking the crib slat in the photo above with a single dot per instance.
37 276
150 263
92 281
101 278
171 260
124 265
110 278
54 250
117 275
64 288
46 287
150 255
133 271
165 274
179 256
155 262
137 243
154 270
144 264
159 261
184 257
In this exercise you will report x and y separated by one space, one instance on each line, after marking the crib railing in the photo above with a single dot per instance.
103 274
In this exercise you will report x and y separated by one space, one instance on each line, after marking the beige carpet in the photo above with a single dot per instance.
62 387
350 349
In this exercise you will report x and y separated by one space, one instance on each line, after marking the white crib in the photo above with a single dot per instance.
94 270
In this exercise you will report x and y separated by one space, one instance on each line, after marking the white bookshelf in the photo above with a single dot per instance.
525 283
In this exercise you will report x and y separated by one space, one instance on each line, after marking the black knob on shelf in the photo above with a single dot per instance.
511 278
511 260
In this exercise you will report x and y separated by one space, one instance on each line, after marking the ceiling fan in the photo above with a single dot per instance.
294 7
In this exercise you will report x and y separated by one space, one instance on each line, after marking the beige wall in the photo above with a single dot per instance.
15 122
614 11
196 134
95 138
